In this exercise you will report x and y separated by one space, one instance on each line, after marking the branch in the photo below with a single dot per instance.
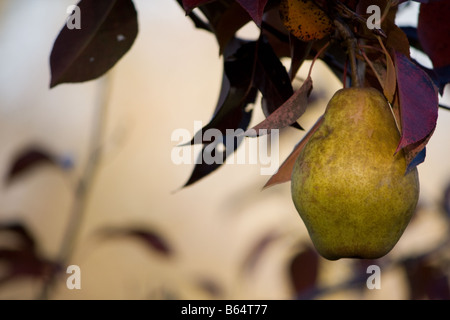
350 42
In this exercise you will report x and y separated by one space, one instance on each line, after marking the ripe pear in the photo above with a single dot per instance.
349 185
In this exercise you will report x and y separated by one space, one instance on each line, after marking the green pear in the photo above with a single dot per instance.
349 185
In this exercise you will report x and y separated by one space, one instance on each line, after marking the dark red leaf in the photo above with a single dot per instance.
286 114
22 258
236 92
446 201
434 31
285 171
28 159
418 102
426 280
416 158
257 251
230 114
299 52
421 1
304 270
224 19
210 286
271 78
255 9
25 238
151 238
226 24
204 166
440 76
108 30
191 4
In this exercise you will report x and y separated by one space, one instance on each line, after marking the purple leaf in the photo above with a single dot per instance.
433 30
255 9
23 260
236 93
418 103
256 252
427 280
304 270
27 160
286 114
191 4
152 239
271 77
108 30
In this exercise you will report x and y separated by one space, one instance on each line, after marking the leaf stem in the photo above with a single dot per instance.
316 57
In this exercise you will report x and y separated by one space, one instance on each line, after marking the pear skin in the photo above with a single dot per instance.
348 185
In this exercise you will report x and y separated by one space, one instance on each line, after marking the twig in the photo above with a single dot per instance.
350 42
84 187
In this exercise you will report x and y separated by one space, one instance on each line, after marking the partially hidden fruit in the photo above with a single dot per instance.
348 185
305 20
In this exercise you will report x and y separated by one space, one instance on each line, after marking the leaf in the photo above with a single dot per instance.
446 201
231 113
209 286
415 157
203 166
271 77
305 19
286 114
273 29
22 233
426 280
390 80
229 23
236 91
189 5
418 102
151 238
440 76
108 30
434 31
255 8
256 252
421 1
413 37
27 160
397 40
23 260
304 270
285 171
299 52
225 18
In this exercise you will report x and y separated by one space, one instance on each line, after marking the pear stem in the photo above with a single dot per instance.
350 43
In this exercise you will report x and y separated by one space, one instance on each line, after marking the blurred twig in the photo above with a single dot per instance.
85 183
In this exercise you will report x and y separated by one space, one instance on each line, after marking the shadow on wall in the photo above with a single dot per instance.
141 237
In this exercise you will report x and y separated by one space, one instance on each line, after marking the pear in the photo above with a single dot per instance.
349 185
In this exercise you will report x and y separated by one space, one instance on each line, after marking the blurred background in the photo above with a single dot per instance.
221 238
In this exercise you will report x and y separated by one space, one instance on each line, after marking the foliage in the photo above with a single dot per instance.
254 66
339 37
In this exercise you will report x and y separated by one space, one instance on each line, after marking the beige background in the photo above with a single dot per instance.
169 79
